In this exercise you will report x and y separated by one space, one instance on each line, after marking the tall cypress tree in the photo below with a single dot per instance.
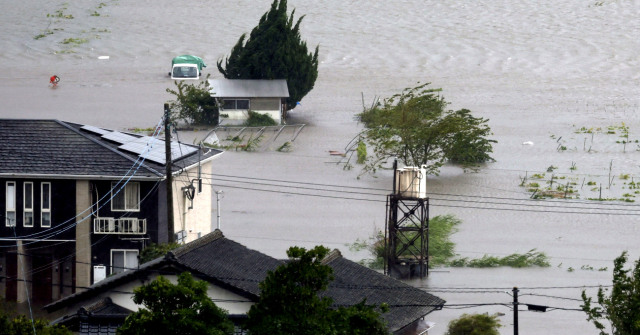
274 50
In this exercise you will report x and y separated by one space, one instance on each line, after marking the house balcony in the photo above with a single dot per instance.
124 226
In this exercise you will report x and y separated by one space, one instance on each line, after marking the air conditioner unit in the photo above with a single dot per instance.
411 182
99 273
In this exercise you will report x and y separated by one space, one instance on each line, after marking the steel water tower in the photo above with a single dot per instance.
407 225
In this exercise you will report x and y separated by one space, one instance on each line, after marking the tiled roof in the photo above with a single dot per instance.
240 269
105 307
354 282
229 262
249 88
60 149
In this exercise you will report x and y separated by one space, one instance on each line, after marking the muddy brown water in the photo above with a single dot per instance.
538 70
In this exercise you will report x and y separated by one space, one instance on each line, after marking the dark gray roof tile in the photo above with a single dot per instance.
60 149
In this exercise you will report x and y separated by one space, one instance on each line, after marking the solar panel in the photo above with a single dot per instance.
94 130
119 137
153 149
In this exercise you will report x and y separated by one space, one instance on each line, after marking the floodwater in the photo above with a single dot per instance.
540 71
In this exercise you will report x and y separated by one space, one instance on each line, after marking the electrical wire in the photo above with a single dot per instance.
614 211
387 191
323 187
73 254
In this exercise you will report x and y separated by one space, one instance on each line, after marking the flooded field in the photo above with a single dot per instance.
539 71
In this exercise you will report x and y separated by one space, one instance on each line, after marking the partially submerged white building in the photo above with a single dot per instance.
236 97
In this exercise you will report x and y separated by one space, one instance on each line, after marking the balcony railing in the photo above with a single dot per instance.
119 226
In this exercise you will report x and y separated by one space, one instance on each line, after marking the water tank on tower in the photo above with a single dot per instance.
411 182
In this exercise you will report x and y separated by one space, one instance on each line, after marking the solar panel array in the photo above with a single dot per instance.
95 130
118 137
153 149
146 147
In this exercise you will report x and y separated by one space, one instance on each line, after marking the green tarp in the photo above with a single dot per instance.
189 59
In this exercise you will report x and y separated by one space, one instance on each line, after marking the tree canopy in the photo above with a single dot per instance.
275 50
621 307
474 324
416 128
290 302
194 103
153 251
183 308
21 325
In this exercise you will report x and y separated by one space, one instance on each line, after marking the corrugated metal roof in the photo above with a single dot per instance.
249 88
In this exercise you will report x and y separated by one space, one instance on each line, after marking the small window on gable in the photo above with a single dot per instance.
28 205
125 198
45 205
10 204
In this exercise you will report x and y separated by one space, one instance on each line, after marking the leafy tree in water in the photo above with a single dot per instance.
289 301
474 324
622 306
194 103
274 50
184 308
416 128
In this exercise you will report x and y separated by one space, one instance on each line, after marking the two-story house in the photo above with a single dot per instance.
78 203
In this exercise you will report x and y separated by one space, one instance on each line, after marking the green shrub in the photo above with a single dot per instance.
362 153
259 120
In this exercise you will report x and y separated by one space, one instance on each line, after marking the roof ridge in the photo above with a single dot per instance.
197 243
66 125
331 256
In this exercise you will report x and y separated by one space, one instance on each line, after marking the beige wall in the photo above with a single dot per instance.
24 274
196 221
83 234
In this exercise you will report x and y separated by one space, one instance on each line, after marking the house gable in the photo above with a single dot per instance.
237 271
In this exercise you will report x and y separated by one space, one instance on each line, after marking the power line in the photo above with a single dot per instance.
614 211
387 191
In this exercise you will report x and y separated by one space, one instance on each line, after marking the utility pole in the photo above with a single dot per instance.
218 203
515 311
167 150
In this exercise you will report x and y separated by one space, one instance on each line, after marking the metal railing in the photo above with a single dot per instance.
119 226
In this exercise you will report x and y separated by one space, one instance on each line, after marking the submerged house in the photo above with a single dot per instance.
236 97
234 273
78 203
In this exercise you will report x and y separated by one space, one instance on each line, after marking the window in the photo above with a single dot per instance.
28 205
265 104
45 207
123 260
10 215
236 104
127 199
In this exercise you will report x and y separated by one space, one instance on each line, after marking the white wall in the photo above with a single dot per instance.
123 296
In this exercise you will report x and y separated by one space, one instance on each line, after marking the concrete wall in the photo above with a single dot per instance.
197 220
